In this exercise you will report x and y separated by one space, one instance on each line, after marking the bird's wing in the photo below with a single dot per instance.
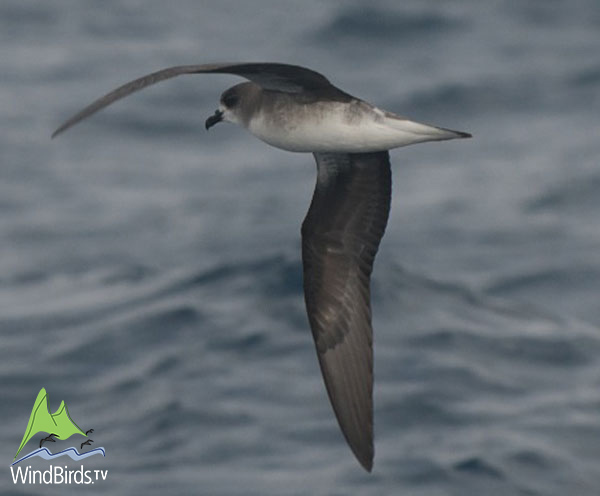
340 237
279 77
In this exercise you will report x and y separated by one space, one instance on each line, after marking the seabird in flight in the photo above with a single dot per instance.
297 109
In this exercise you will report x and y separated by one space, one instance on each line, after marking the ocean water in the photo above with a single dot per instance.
150 272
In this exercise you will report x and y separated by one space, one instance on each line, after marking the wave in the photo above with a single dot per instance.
70 452
372 22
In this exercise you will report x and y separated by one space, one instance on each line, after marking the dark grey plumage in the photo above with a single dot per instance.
340 237
278 77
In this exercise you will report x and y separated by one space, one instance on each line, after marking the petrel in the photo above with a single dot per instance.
298 109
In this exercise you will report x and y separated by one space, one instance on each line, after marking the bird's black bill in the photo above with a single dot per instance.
213 119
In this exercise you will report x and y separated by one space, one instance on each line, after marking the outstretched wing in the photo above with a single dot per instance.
279 77
340 237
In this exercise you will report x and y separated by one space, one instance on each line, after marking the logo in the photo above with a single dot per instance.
47 428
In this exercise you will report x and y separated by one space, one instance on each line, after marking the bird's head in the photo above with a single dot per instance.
236 105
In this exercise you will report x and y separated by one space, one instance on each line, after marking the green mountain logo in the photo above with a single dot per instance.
58 425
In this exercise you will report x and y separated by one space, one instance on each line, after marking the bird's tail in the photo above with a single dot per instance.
422 132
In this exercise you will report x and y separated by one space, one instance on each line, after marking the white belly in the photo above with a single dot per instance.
341 127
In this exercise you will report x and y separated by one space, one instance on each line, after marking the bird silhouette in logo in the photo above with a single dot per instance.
50 438
88 443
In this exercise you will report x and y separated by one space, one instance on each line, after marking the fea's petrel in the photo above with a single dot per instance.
299 110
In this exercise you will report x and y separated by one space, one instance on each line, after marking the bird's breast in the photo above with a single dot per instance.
334 127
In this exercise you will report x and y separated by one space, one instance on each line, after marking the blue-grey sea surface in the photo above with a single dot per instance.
150 272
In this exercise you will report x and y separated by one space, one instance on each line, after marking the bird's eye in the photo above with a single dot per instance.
230 100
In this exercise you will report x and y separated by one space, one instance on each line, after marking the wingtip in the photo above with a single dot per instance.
364 456
58 131
462 134
367 464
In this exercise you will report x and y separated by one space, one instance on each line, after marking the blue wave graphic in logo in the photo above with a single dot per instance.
70 452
